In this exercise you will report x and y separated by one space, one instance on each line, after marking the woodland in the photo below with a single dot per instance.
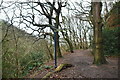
59 39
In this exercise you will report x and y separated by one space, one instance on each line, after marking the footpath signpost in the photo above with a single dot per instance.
55 49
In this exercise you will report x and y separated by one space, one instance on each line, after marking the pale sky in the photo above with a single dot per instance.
17 12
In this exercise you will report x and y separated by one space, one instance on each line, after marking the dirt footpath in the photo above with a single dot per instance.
83 67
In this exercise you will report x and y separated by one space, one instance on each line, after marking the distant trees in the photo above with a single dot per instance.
83 22
65 33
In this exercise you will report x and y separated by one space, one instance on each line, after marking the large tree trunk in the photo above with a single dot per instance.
98 51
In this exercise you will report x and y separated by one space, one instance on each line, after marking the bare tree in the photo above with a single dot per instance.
35 10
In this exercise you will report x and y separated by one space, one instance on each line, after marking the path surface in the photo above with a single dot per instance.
83 67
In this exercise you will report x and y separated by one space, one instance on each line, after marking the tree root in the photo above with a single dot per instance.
58 69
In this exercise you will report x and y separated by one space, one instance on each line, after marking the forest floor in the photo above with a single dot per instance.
82 67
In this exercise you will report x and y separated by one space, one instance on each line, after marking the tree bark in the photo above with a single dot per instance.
98 51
